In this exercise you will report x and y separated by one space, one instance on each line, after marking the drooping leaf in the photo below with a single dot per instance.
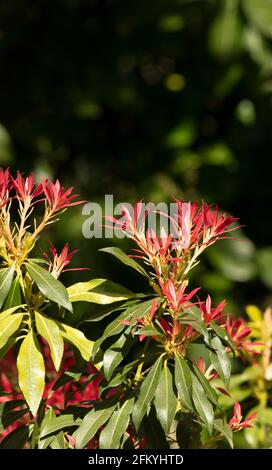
131 315
8 326
49 330
78 339
9 311
59 441
50 287
98 291
165 399
55 423
91 423
209 390
220 361
9 414
125 259
14 295
44 442
202 404
150 330
223 427
116 353
16 439
6 278
147 392
153 432
112 433
188 432
221 332
31 371
183 381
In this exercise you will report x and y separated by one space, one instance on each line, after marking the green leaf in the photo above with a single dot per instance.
202 404
223 427
259 12
8 326
14 295
16 439
59 441
150 330
50 331
225 33
220 361
165 399
183 381
210 392
192 317
188 432
116 353
147 391
8 414
78 339
31 371
125 259
55 423
6 278
91 423
153 432
98 291
221 332
44 442
50 287
131 314
112 433
9 311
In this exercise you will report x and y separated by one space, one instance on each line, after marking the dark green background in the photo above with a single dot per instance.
153 99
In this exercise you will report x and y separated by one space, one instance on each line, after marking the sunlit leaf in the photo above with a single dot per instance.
49 330
31 371
98 291
8 326
78 339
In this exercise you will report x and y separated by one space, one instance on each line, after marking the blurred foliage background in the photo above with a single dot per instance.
153 99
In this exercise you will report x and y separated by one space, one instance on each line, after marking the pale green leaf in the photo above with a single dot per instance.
31 371
98 291
78 339
49 330
8 326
